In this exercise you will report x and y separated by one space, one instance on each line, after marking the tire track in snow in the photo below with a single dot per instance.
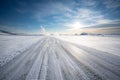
95 63
36 68
53 70
18 64
53 59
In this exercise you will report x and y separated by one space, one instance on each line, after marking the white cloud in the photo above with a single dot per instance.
50 9
86 18
70 16
104 21
42 30
88 14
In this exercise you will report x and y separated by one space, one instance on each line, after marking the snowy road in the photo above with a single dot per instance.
53 59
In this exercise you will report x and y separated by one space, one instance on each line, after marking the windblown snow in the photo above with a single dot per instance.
59 57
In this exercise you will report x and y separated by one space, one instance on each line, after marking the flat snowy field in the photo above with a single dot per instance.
59 57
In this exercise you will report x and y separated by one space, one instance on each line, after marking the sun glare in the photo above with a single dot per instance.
75 25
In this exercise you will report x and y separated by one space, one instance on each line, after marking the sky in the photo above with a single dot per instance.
28 16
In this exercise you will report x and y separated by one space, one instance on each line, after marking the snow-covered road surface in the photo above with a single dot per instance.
50 58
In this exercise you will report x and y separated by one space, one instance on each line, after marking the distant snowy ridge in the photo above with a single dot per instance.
6 32
3 32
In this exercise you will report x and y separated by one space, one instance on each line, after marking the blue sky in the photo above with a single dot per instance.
58 15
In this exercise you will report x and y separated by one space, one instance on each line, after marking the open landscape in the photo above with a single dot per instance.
59 57
59 39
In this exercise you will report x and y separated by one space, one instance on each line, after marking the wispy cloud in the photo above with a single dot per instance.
22 7
106 24
50 9
87 18
112 3
74 15
88 3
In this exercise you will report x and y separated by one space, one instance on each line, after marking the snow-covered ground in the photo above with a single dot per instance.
59 57
11 46
110 44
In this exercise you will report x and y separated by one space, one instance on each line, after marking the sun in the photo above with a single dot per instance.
75 25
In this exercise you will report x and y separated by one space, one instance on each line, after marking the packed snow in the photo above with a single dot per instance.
59 57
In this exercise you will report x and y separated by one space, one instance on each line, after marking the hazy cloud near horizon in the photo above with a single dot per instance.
58 15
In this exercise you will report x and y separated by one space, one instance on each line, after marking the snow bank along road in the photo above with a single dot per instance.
50 58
